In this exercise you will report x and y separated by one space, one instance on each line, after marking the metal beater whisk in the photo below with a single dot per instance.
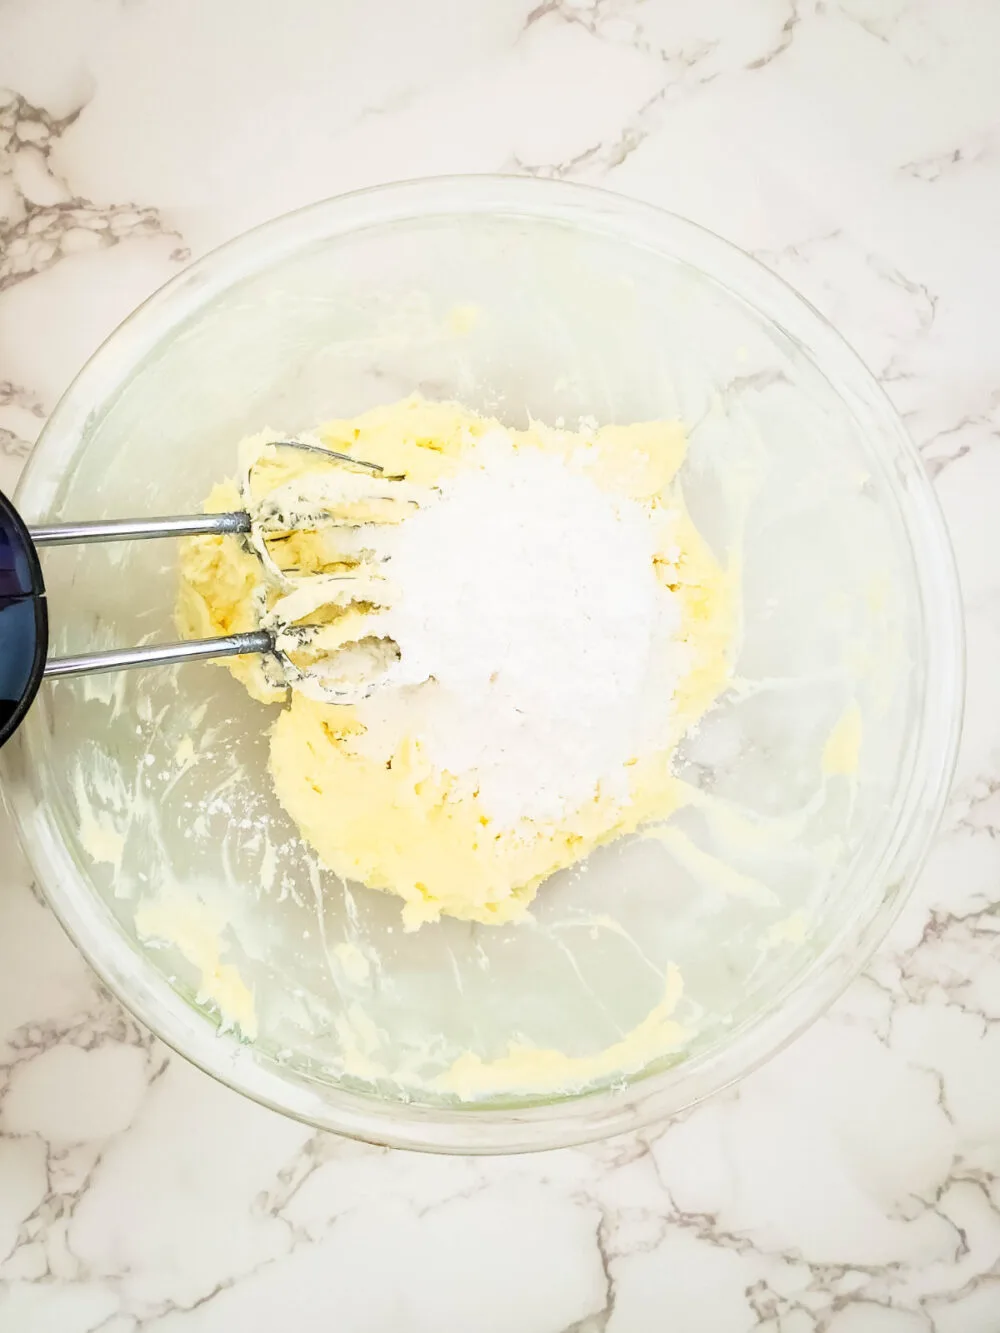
24 635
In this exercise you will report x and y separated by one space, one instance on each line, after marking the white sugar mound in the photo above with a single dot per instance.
538 648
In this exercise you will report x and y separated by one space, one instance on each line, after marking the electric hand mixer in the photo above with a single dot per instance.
24 633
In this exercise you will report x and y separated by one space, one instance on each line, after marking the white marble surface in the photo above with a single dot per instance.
851 1186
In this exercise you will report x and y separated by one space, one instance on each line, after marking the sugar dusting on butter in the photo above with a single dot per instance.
530 596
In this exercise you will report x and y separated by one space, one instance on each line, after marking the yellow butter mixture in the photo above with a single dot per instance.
375 803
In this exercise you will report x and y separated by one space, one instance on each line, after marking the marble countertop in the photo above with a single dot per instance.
853 1184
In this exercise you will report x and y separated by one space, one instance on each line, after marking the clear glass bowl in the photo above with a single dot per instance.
518 298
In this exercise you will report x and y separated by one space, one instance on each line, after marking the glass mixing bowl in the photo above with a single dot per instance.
519 298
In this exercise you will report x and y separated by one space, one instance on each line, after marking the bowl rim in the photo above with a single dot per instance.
487 1128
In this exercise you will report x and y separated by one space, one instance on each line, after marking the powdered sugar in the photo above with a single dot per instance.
538 648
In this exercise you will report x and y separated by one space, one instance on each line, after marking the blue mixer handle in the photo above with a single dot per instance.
24 620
